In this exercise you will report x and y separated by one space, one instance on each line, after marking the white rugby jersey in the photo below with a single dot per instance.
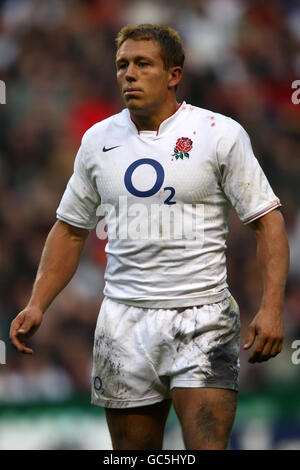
166 197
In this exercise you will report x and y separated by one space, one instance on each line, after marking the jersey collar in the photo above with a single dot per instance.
164 125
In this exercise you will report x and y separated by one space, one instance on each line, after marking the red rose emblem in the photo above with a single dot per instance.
182 148
184 144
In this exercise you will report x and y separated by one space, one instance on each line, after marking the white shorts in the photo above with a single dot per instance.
140 354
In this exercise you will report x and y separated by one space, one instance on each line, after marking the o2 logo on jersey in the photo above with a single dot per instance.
160 176
155 221
98 385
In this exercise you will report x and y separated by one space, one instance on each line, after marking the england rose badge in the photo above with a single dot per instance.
182 148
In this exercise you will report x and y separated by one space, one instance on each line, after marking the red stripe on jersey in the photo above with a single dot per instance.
261 213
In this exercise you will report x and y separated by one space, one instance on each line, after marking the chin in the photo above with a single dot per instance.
135 105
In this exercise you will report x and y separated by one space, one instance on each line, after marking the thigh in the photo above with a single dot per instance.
140 428
206 416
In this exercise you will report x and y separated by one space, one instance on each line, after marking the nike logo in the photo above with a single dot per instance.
110 148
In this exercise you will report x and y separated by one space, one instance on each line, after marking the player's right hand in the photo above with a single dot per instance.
23 326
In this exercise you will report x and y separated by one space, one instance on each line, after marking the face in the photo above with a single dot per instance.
143 80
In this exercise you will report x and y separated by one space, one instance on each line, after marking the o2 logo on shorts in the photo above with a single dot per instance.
98 385
160 176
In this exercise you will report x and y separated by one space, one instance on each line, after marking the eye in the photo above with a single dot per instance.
143 64
121 66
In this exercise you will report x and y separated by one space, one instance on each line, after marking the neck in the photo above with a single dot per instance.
150 121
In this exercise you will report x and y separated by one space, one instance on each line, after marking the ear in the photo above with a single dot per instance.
175 75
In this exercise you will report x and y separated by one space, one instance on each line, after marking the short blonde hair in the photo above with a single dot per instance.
171 45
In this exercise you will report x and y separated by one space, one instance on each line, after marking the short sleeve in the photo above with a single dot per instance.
242 178
80 200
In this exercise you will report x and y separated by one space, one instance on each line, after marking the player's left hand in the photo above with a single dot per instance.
268 330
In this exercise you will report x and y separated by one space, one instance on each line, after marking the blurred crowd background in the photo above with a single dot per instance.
57 61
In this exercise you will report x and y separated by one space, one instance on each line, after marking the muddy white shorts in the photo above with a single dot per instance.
140 354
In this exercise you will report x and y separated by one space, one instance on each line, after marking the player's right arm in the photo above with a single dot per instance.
58 264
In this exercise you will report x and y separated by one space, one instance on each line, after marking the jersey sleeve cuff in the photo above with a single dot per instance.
262 212
74 222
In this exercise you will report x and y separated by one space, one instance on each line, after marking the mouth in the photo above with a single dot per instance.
132 91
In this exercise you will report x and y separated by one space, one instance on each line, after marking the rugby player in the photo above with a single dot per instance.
168 328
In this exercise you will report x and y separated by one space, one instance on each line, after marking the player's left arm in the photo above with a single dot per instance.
267 327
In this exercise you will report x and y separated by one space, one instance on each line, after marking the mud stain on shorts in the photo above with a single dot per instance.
107 354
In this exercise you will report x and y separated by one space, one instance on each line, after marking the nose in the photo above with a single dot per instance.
130 74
